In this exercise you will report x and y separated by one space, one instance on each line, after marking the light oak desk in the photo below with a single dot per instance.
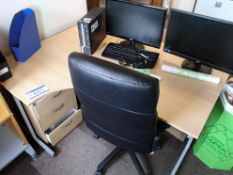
12 140
184 103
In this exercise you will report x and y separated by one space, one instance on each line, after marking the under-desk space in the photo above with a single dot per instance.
12 140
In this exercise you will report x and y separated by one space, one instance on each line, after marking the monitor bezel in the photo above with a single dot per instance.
145 6
190 58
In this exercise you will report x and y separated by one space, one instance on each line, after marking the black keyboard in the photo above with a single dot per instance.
139 58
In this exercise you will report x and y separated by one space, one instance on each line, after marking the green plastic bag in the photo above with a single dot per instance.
215 145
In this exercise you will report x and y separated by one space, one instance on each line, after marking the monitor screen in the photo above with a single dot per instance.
136 22
202 39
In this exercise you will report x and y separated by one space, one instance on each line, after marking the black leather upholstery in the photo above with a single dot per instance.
118 104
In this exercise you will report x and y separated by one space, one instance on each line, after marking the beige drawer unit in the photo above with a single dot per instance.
65 127
53 115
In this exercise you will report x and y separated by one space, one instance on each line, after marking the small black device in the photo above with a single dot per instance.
202 40
5 72
92 30
130 55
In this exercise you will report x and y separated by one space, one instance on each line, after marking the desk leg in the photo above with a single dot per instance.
24 115
30 151
185 150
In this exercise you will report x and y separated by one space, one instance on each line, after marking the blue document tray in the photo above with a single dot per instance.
24 38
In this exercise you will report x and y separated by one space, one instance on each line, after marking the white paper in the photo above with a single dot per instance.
37 92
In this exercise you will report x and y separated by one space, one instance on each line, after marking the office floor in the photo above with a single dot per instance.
80 153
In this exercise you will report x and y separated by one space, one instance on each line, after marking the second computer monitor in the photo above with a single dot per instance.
200 39
135 22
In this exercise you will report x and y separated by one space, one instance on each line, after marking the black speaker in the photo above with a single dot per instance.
92 30
5 72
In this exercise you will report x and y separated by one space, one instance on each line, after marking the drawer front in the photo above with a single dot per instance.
65 127
53 101
57 113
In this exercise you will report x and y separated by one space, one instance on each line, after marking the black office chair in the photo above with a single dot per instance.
119 105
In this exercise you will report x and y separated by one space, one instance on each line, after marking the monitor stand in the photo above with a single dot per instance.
196 66
132 43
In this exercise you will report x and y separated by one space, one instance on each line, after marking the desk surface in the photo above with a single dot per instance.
184 103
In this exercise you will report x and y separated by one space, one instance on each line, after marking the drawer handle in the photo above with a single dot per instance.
56 95
68 124
59 108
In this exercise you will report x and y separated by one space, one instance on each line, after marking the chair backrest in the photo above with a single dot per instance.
117 103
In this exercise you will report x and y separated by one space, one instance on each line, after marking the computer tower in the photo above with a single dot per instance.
92 30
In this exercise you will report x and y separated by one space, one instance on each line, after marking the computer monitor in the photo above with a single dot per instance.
135 22
202 40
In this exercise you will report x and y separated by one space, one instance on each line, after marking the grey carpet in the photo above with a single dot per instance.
79 153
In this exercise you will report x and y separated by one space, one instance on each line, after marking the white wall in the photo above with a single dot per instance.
222 10
186 5
52 16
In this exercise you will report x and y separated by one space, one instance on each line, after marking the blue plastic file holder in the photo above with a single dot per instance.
24 38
